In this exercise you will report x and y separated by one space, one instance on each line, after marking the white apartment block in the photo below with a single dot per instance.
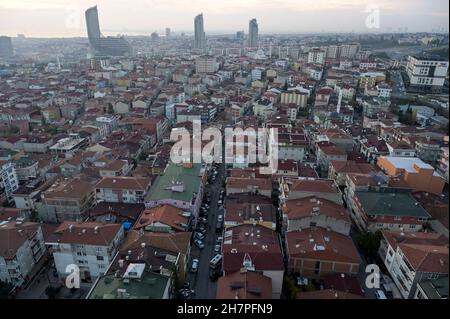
409 261
8 179
316 56
206 64
21 248
90 246
426 74
349 50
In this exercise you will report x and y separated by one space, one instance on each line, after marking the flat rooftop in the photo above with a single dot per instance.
391 204
407 163
190 178
149 286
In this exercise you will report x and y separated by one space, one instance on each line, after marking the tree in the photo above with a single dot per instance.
5 290
369 242
290 287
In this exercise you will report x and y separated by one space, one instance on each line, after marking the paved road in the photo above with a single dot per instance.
200 281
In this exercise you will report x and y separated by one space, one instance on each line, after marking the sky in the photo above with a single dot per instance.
65 18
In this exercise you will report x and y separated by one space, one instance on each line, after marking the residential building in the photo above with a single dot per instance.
316 56
301 187
206 64
181 186
415 172
312 212
412 258
163 219
9 181
255 248
426 74
90 246
121 189
244 284
248 208
260 186
374 211
317 252
67 200
21 250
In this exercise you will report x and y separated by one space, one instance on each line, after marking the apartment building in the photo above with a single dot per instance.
415 172
411 258
122 189
67 199
426 74
90 246
9 181
21 249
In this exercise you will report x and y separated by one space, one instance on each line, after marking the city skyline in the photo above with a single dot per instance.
64 18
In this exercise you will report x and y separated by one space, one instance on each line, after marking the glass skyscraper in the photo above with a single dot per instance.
113 46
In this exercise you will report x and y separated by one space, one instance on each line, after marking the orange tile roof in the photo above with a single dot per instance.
303 207
322 244
165 214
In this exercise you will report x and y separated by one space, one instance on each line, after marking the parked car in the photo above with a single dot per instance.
199 244
194 267
199 236
219 218
219 227
202 230
217 248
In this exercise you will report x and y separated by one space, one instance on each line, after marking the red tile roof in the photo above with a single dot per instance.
321 244
165 214
244 285
301 208
87 233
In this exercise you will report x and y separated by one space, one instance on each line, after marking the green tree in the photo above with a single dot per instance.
370 242
290 287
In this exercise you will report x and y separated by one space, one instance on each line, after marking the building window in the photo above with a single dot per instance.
100 258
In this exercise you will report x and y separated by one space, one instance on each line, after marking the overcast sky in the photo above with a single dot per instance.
57 18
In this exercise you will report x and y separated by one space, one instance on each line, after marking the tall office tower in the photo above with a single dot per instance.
240 35
200 37
6 47
253 34
114 46
167 32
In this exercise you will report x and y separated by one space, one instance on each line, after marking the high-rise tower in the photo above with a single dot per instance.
253 34
200 37
114 46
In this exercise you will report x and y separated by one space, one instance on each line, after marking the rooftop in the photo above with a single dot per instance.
391 204
244 285
322 244
187 178
408 163
149 286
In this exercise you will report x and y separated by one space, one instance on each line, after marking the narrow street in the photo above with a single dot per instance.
200 282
